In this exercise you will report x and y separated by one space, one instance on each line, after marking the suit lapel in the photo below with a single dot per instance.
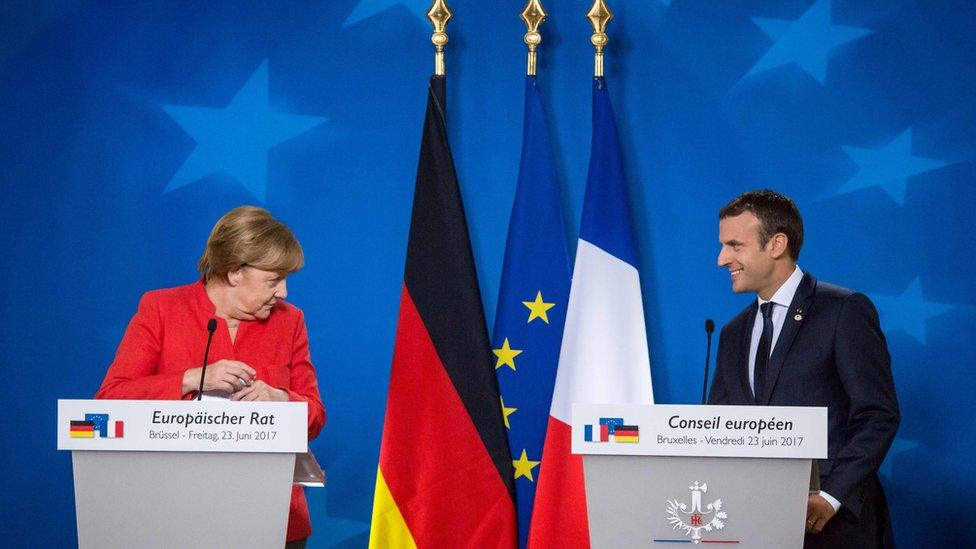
745 342
791 326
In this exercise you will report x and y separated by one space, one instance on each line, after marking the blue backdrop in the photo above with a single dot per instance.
128 128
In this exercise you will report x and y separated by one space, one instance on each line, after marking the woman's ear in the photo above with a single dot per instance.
234 277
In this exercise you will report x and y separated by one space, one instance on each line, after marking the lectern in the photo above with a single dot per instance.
182 474
667 476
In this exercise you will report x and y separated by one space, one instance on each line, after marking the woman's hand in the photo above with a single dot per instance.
224 375
259 390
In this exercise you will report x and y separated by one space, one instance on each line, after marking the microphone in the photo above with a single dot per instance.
211 328
709 328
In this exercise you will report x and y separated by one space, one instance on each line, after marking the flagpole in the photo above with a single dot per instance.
439 14
534 15
599 15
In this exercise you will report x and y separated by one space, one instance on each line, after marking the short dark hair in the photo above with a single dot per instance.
777 213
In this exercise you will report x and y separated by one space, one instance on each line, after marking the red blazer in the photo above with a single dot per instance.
167 336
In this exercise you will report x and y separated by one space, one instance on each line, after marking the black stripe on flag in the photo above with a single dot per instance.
440 276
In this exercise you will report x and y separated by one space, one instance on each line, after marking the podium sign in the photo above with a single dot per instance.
659 476
715 431
182 426
182 473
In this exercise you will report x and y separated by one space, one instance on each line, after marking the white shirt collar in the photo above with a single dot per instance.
784 295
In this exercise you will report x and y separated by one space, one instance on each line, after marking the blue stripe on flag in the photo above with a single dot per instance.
606 210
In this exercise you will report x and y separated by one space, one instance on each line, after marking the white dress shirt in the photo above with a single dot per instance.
781 303
781 306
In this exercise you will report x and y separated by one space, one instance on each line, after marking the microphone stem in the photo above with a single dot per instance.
708 356
203 370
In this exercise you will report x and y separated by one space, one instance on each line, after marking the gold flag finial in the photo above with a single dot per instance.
439 14
599 15
534 15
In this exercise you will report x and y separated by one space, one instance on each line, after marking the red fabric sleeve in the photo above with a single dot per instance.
304 386
134 372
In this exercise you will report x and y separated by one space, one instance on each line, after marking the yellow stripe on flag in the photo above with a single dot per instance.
82 434
626 438
388 528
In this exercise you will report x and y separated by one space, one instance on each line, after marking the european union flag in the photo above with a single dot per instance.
531 304
100 421
611 423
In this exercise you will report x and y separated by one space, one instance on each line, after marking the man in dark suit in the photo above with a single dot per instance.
808 343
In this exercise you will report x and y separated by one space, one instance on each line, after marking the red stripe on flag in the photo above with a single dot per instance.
559 516
432 457
119 429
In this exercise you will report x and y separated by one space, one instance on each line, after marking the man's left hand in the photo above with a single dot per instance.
819 511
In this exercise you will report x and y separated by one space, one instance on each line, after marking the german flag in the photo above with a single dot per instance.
626 433
82 429
445 475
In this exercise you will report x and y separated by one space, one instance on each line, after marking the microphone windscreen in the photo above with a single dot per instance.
709 325
212 325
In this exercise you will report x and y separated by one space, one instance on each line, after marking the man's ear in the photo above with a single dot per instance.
778 245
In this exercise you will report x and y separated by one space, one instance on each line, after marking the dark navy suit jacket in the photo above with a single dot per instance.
834 356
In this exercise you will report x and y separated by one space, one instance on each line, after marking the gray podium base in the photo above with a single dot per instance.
628 501
182 499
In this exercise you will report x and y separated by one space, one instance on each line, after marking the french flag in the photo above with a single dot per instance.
603 358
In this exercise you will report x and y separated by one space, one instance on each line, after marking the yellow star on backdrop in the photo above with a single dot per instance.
523 466
538 308
506 412
506 355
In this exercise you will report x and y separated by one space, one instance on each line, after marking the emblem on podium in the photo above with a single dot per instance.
697 517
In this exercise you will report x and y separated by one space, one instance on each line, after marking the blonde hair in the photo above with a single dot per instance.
248 235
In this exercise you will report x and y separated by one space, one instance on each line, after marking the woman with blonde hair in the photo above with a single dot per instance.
260 348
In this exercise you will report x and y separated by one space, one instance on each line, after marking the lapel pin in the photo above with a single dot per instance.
798 316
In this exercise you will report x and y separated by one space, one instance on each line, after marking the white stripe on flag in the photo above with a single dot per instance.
604 356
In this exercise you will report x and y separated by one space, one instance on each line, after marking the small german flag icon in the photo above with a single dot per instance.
82 429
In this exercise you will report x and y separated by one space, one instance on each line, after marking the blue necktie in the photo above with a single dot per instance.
762 353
